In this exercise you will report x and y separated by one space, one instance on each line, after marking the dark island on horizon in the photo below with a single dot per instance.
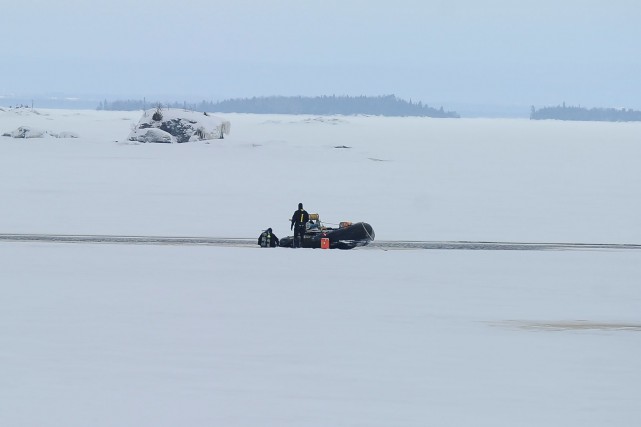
386 105
578 113
327 105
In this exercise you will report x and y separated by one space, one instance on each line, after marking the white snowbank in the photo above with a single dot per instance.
152 135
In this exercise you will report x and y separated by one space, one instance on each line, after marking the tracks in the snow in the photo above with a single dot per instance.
251 243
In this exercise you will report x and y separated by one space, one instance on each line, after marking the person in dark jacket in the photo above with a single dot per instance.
267 239
299 222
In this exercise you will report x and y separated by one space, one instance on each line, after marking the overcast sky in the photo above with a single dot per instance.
503 52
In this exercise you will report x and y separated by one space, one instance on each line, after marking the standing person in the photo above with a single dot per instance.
268 239
299 221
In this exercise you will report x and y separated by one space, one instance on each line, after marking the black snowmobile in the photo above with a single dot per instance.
347 236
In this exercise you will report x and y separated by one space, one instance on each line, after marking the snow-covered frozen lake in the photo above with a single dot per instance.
144 335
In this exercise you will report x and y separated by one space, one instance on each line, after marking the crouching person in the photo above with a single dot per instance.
268 239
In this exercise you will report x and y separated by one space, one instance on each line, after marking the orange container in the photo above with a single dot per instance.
325 243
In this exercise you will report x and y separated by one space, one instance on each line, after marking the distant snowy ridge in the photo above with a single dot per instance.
178 126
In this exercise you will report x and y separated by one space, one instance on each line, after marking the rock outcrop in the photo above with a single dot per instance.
178 126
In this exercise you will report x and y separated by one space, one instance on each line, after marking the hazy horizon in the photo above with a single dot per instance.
450 53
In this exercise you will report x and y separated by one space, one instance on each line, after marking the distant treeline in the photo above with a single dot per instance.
128 105
563 112
387 105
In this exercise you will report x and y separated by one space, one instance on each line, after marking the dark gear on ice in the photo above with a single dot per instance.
268 239
299 223
348 235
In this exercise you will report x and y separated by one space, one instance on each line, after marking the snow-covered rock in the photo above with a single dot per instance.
177 125
65 134
29 132
152 135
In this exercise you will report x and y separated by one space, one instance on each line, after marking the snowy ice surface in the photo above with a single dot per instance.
118 335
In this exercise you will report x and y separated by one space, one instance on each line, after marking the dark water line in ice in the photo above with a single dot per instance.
252 242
